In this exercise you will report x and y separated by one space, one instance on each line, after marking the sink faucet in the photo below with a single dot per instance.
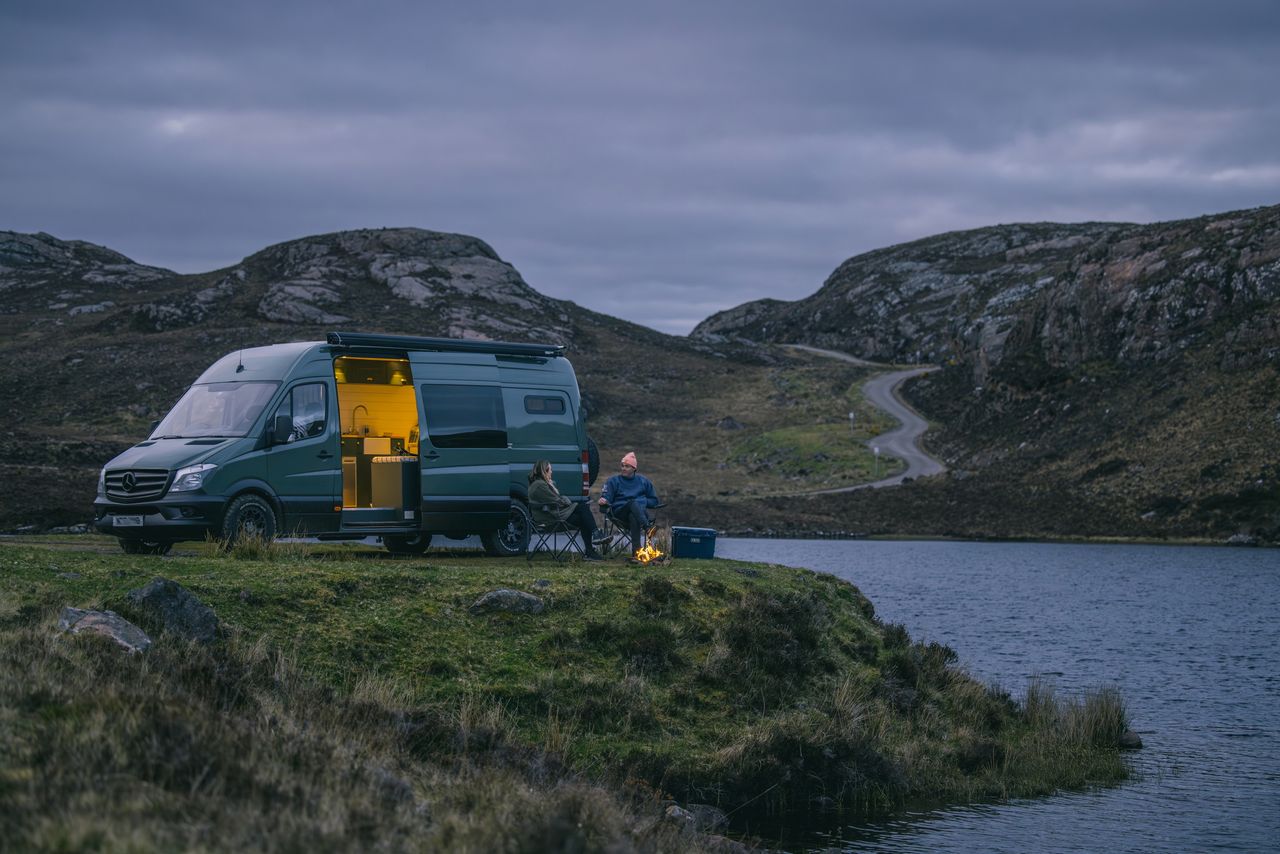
355 428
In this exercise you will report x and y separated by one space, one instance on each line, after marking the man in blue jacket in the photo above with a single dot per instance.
629 496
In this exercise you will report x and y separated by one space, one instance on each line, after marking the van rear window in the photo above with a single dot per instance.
538 405
465 416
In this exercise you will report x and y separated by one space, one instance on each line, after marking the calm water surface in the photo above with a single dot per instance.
1189 635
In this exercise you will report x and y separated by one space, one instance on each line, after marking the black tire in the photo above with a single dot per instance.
511 539
249 516
145 547
414 544
593 461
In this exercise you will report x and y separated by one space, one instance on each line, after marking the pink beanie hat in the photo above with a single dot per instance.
630 460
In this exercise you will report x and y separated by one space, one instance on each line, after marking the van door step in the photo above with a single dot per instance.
383 517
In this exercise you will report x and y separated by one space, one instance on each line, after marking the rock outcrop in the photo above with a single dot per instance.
69 276
510 601
177 610
462 284
1063 295
108 624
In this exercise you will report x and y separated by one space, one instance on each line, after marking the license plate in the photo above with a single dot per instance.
126 521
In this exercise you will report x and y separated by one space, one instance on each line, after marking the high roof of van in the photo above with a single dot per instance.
276 361
446 345
258 363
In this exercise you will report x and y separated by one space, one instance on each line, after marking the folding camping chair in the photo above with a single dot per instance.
619 531
558 539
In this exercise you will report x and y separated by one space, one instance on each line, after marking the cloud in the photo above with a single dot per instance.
661 161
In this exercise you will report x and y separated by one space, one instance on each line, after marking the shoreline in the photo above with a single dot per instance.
1082 540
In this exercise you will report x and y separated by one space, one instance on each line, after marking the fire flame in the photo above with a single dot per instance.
648 553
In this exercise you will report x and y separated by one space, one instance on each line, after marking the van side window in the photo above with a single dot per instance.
539 405
305 405
465 416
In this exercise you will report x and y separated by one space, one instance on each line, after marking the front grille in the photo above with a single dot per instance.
136 484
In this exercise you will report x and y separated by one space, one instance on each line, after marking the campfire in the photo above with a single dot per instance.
647 554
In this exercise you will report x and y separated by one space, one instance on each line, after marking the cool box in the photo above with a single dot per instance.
693 542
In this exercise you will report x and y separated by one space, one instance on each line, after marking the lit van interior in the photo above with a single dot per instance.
379 416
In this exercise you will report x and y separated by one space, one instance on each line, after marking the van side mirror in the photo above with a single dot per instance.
281 430
154 425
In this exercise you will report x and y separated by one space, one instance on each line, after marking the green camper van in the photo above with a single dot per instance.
361 435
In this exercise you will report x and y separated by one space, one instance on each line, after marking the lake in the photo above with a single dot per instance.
1190 635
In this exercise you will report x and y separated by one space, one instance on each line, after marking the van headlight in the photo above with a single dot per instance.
191 477
102 482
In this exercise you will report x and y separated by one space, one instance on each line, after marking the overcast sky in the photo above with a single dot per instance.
656 161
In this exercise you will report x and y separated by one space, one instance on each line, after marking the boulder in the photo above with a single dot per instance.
106 623
707 818
1130 740
679 815
511 601
177 610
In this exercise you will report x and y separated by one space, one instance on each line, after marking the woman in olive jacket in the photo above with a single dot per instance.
549 506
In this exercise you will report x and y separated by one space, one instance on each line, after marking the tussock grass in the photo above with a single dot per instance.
235 748
1072 736
262 550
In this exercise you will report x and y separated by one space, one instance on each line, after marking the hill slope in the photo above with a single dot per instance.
1128 368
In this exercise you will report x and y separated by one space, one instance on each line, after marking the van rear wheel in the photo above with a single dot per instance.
249 517
145 547
512 538
410 545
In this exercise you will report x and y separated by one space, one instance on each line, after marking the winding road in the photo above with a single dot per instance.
903 441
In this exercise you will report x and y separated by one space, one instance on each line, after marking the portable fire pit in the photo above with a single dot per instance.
650 555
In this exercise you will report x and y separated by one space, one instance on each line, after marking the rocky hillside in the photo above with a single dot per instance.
1132 369
1101 379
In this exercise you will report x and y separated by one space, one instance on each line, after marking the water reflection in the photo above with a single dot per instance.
1189 635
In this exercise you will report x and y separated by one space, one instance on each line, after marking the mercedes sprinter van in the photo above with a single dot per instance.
360 435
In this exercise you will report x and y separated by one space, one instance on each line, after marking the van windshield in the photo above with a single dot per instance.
224 410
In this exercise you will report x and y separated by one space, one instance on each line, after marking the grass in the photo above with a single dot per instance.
817 455
357 694
789 428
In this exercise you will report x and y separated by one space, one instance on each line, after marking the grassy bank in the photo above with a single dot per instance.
359 697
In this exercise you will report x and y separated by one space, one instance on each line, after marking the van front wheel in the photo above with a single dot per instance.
250 517
512 538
